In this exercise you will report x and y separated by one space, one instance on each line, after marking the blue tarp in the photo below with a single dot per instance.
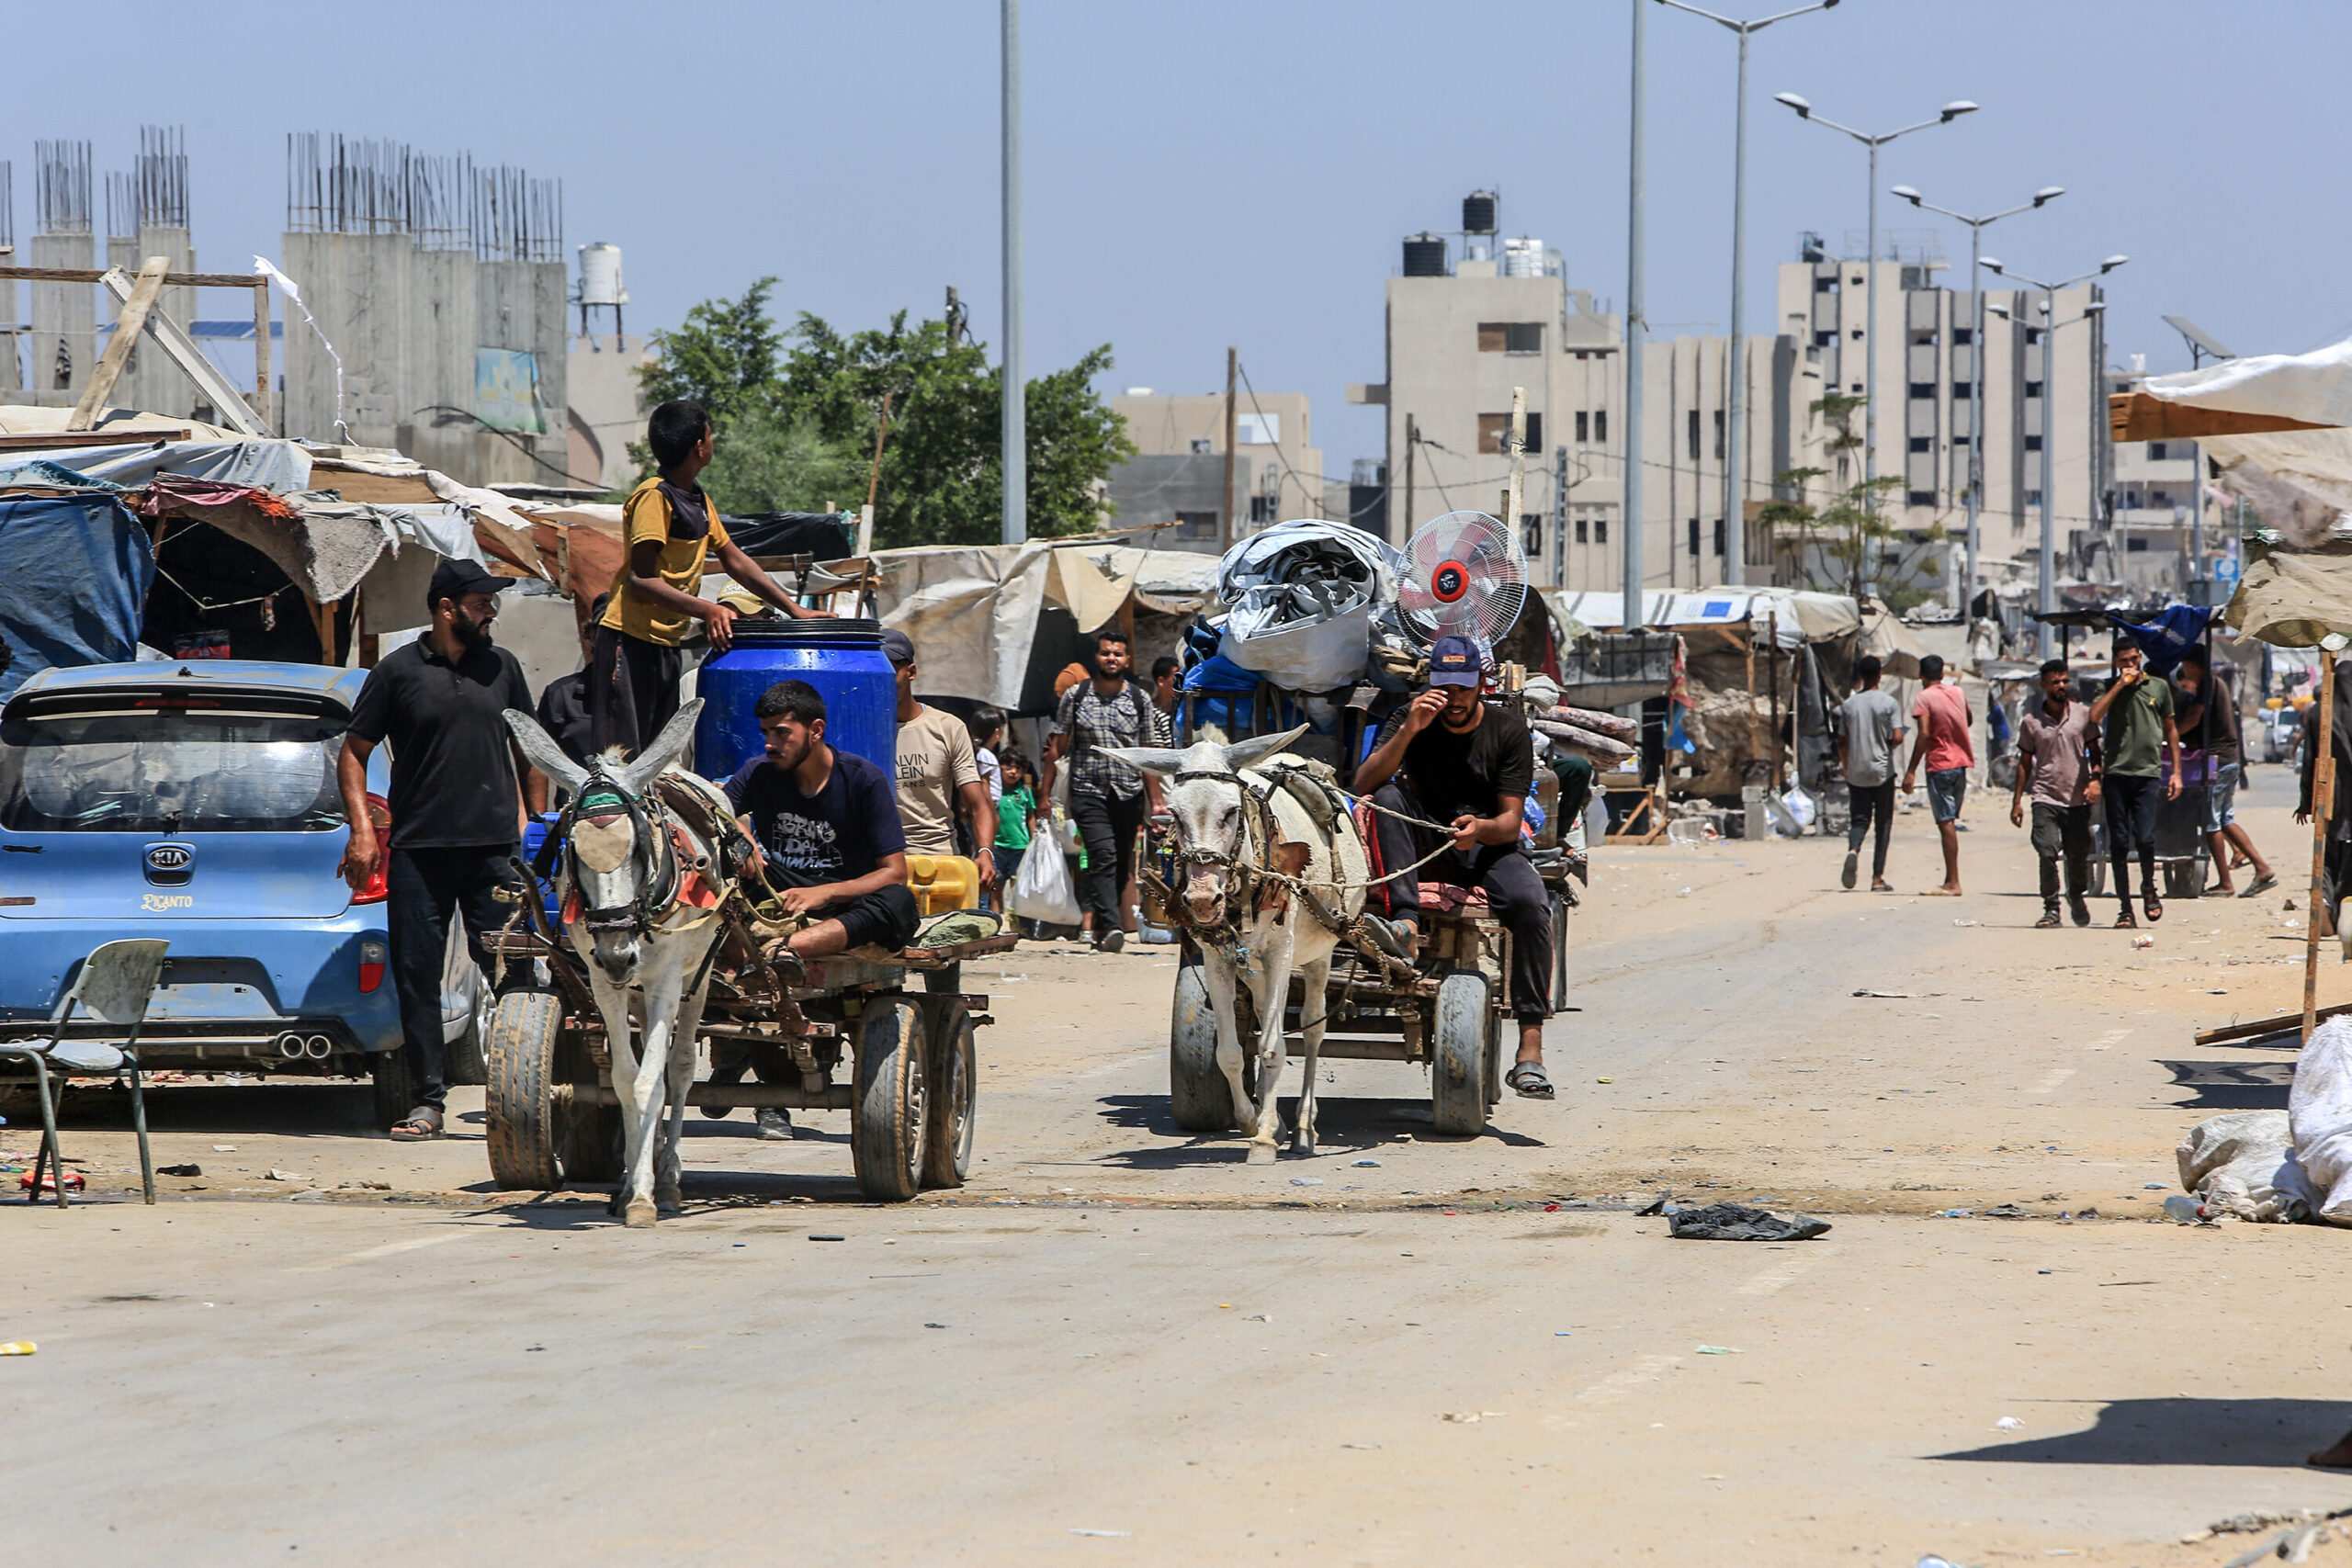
2164 640
73 576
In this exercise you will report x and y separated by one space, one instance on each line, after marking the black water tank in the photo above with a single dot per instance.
1478 212
1424 255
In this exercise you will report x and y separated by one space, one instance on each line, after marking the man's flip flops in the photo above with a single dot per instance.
1530 1081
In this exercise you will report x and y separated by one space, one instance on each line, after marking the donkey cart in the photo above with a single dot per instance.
554 1117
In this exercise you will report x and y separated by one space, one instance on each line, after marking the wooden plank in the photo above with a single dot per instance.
2137 416
228 403
261 351
398 489
135 311
117 436
2285 1024
93 274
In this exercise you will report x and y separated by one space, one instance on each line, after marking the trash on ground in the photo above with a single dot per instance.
1117 1535
73 1182
2007 1423
190 1169
2319 1112
381 1187
1306 1182
1886 996
224 1148
1968 922
1716 1350
2143 941
829 1238
18 1348
1738 1222
2182 1211
277 1175
1362 1163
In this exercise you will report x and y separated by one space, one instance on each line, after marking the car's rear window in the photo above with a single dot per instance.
170 769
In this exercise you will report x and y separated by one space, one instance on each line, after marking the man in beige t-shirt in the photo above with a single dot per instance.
939 777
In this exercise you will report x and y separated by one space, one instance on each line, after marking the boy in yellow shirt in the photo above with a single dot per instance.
672 531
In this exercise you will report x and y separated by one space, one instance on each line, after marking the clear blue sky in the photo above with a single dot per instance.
1222 171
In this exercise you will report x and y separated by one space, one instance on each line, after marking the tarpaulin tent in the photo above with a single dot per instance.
75 568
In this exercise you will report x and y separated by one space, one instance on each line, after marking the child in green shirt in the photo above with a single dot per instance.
1016 810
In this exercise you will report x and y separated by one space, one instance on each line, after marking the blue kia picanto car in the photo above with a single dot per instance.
196 801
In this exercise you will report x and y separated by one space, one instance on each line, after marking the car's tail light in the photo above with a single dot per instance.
374 890
371 966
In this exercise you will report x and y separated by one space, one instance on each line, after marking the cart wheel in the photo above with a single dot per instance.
1495 1059
954 1083
395 1086
518 1093
2184 878
469 1053
2099 876
1458 1045
1198 1096
887 1139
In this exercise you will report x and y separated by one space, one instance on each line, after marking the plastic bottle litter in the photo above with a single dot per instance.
2007 1423
2143 941
18 1348
2182 1209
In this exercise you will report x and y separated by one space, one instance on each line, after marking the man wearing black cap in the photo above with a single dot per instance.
1469 765
457 808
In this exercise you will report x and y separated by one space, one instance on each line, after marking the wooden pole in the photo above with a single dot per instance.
127 325
1516 440
1232 433
1772 666
881 433
261 354
2322 808
1403 530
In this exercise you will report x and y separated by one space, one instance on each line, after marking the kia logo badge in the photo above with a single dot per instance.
169 857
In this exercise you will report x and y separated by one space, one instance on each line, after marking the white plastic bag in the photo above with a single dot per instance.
2319 1109
2243 1165
1801 807
1043 890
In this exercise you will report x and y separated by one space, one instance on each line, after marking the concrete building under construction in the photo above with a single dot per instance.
438 288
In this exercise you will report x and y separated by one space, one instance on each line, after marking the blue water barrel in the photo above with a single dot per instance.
842 658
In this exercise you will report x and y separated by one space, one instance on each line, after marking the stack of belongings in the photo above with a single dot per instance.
1307 600
1605 738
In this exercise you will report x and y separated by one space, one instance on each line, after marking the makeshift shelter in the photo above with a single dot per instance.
74 570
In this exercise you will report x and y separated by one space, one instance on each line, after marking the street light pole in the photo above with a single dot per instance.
2046 597
1014 432
1977 227
1634 325
1949 112
1735 448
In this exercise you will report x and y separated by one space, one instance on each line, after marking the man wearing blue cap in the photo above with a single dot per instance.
1447 757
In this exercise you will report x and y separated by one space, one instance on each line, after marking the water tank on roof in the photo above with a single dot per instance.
599 275
1524 258
1424 255
1478 212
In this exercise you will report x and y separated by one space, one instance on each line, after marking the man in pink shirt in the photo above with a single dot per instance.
1943 743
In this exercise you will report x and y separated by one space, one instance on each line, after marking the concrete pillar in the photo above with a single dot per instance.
64 317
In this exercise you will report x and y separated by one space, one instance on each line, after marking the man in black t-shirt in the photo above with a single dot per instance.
828 830
456 805
1447 757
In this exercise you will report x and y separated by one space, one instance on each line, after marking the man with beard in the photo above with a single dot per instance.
456 804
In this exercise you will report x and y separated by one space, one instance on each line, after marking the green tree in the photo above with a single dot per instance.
1832 547
808 406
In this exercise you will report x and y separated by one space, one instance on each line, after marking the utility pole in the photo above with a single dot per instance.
1635 329
1232 435
1559 516
1412 441
1517 441
1013 434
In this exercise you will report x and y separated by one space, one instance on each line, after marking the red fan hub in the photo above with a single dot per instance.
1450 581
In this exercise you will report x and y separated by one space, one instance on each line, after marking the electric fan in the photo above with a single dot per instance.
1463 574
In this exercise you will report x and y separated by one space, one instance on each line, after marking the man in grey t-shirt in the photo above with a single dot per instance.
1870 727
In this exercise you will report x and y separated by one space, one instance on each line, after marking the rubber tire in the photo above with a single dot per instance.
888 1134
1198 1096
953 1091
1459 1033
395 1086
518 1093
468 1054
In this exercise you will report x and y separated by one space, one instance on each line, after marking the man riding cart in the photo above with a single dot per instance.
1450 757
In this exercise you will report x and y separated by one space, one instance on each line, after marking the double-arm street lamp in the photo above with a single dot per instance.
2047 595
1976 360
1949 112
1735 497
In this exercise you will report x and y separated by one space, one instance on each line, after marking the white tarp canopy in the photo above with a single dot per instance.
1800 618
2297 481
971 610
207 452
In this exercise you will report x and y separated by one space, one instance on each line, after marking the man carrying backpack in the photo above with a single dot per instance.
1108 798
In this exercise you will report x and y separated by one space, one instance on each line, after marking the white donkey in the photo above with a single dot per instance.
638 889
1233 823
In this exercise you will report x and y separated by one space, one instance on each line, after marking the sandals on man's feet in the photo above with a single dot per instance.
1529 1080
2153 906
2123 921
2048 920
418 1126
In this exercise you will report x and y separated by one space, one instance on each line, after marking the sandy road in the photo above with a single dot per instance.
1104 1366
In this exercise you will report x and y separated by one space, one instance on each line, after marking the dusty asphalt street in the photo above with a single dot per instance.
1140 1334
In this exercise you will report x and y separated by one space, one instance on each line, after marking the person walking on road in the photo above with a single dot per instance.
673 530
2136 715
2058 759
2208 717
1870 730
1108 798
1944 744
1447 757
456 808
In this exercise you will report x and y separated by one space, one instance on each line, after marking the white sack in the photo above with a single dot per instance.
2319 1107
1266 634
2243 1165
1042 891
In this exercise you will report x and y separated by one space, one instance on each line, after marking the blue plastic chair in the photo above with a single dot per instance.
116 985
